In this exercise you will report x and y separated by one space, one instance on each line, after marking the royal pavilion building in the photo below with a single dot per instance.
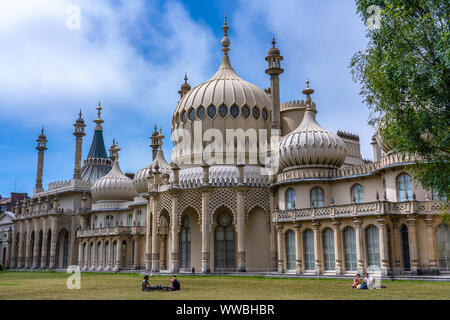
290 197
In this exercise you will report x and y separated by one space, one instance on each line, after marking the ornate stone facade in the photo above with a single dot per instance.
324 211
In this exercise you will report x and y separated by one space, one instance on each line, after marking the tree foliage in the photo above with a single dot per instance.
404 75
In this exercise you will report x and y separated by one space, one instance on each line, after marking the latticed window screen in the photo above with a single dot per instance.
328 249
245 111
372 246
404 190
211 111
357 193
255 112
265 114
223 111
191 114
234 111
443 246
308 249
290 250
350 249
201 112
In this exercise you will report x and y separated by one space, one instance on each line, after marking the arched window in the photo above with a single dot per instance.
443 246
99 253
372 246
139 218
124 254
405 248
185 244
65 250
91 255
350 249
357 193
404 190
290 250
328 249
85 254
114 257
290 198
130 220
106 262
224 243
317 197
95 222
308 249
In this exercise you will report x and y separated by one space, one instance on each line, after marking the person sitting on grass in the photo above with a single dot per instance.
145 285
357 281
175 285
365 282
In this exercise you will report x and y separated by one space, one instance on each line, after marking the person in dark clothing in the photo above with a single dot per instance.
145 285
175 284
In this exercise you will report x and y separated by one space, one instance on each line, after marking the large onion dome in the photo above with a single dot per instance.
115 185
310 145
225 101
140 180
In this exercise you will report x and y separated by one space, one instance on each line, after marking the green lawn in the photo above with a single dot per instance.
52 285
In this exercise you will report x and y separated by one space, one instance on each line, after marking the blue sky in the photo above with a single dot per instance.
131 55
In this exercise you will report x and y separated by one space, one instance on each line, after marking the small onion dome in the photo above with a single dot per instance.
273 50
80 119
185 86
310 145
113 186
140 181
384 145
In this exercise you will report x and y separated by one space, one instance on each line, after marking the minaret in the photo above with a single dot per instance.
155 143
185 87
41 147
274 70
79 134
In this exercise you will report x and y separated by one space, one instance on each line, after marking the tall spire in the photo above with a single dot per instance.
274 69
99 120
308 92
225 41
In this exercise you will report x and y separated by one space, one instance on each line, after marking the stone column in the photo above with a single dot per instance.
384 246
28 246
432 248
359 246
175 252
100 264
80 254
13 263
21 253
280 246
413 249
298 248
317 248
240 226
36 252
205 231
148 231
273 233
119 254
396 247
162 252
52 264
155 253
338 254
136 253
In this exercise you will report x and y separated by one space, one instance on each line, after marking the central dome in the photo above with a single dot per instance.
225 101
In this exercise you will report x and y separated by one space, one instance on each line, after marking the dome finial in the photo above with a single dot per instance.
225 41
185 77
308 91
273 40
99 120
